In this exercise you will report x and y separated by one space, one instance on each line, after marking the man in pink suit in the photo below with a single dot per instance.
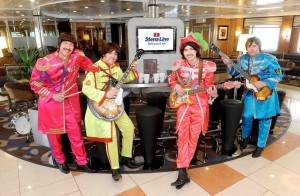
54 79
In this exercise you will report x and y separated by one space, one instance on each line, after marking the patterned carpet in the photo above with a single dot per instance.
15 144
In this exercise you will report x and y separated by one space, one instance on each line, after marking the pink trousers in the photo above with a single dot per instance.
74 134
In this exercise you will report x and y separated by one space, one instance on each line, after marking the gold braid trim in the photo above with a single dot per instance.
38 84
43 68
56 131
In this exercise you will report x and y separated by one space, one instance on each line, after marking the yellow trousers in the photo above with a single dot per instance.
126 127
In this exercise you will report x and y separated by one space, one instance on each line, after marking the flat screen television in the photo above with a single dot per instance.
156 39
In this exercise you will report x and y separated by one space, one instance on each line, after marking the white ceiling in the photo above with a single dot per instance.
122 10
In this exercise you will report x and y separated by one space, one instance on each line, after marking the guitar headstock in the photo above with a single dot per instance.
232 84
139 53
214 48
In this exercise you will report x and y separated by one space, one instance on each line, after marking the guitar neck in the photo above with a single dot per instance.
121 82
244 74
199 90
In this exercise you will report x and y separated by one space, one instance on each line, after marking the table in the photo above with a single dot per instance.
136 84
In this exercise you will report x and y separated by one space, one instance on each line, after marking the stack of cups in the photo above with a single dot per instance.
162 77
146 78
141 77
156 77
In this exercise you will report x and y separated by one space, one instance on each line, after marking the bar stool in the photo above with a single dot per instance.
158 99
148 120
230 118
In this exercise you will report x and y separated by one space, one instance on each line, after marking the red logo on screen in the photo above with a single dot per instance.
156 34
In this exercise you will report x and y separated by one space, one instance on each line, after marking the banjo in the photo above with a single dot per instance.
112 109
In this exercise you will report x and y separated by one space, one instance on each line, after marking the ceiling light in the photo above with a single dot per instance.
20 5
86 7
128 9
74 11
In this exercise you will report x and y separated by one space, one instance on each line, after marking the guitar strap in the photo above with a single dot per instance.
200 67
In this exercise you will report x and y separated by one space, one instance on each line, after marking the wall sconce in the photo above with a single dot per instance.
286 33
86 37
3 44
237 33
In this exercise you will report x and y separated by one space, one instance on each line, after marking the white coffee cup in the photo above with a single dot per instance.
162 77
146 78
156 77
141 77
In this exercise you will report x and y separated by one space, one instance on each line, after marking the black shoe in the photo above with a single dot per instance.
183 178
128 162
86 168
257 152
116 174
244 143
64 168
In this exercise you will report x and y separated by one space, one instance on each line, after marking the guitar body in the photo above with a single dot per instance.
260 94
176 102
110 109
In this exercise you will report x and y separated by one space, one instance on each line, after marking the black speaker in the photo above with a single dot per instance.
64 26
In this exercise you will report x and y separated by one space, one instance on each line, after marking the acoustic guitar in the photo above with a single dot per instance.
176 101
261 94
112 109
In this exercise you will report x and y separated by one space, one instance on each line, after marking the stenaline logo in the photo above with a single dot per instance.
156 39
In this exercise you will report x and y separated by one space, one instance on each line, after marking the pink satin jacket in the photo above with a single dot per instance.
51 75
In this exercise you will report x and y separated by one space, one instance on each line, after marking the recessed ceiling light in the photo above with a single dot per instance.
102 1
74 11
128 9
99 14
86 7
112 12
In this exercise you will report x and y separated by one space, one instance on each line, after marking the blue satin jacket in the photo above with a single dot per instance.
266 67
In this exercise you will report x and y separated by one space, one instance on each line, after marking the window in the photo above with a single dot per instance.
268 34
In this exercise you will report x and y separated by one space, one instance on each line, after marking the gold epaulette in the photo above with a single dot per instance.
38 84
43 67
43 64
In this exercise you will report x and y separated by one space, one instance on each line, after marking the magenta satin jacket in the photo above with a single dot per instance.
51 75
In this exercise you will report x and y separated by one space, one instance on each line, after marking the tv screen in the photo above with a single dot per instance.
160 39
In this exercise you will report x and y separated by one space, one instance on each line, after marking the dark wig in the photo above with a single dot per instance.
67 37
193 45
109 47
252 40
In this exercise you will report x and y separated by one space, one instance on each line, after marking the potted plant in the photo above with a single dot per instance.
29 56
